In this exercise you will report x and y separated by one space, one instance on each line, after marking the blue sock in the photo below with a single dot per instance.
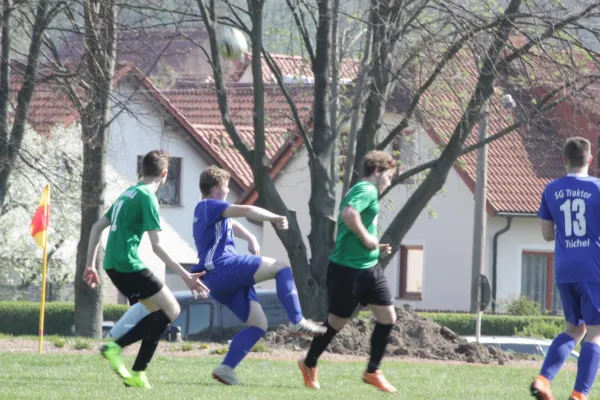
288 295
587 367
559 351
241 345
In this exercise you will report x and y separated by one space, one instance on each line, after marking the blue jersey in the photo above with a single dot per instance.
212 233
573 204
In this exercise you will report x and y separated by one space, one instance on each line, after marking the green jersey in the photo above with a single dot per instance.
134 212
349 249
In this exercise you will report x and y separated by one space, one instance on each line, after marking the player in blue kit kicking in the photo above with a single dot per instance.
231 277
570 213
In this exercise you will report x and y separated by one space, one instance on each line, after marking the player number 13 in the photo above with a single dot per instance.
576 226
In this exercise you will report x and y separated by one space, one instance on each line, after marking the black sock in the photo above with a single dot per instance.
141 329
150 341
318 346
379 341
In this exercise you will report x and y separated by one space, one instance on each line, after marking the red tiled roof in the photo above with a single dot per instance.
221 143
291 66
200 105
299 66
521 163
49 105
200 109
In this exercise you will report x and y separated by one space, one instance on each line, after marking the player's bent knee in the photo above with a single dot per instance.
337 323
175 311
279 265
257 317
577 332
593 334
261 324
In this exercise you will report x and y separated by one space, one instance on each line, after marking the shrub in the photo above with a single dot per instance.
260 348
524 306
59 342
22 318
81 344
221 351
495 325
187 347
541 329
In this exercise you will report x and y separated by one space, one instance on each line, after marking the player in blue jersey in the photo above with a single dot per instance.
570 213
231 277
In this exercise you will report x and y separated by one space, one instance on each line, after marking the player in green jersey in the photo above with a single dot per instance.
354 276
135 212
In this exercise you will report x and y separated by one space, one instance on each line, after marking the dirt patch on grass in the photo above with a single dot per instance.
413 336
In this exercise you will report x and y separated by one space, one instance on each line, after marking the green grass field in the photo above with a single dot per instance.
53 376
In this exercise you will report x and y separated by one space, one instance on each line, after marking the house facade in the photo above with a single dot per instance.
432 270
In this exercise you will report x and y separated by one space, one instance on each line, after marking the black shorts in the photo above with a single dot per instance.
136 285
348 287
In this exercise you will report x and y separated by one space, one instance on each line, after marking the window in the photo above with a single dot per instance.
170 192
200 321
404 150
537 280
411 272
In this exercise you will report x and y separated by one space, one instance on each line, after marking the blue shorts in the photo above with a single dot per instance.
581 302
231 283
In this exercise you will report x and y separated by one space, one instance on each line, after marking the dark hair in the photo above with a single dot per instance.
211 177
155 163
376 160
577 151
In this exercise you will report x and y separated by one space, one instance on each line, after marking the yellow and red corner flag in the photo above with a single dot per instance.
41 219
39 231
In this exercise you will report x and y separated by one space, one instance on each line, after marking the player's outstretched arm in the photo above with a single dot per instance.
241 232
192 281
90 275
352 220
255 213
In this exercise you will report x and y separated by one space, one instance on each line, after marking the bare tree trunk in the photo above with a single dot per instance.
321 204
12 145
4 79
100 19
349 172
383 18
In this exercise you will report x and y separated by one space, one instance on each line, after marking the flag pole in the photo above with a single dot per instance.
46 216
43 302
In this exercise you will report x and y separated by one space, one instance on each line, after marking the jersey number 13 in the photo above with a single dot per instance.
574 225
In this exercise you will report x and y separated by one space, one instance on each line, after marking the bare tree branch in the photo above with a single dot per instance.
301 25
296 115
208 16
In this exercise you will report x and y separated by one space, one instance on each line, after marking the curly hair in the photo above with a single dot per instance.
376 160
211 177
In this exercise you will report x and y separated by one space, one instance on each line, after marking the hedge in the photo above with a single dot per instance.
22 318
499 325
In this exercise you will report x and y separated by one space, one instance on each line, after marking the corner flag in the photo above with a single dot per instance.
39 231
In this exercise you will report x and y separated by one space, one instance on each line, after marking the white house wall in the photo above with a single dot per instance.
524 235
446 239
138 130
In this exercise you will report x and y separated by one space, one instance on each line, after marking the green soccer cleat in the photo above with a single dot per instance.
112 352
138 380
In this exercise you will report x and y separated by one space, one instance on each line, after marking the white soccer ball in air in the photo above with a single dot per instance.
232 43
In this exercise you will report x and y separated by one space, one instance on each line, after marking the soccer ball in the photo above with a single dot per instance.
232 43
